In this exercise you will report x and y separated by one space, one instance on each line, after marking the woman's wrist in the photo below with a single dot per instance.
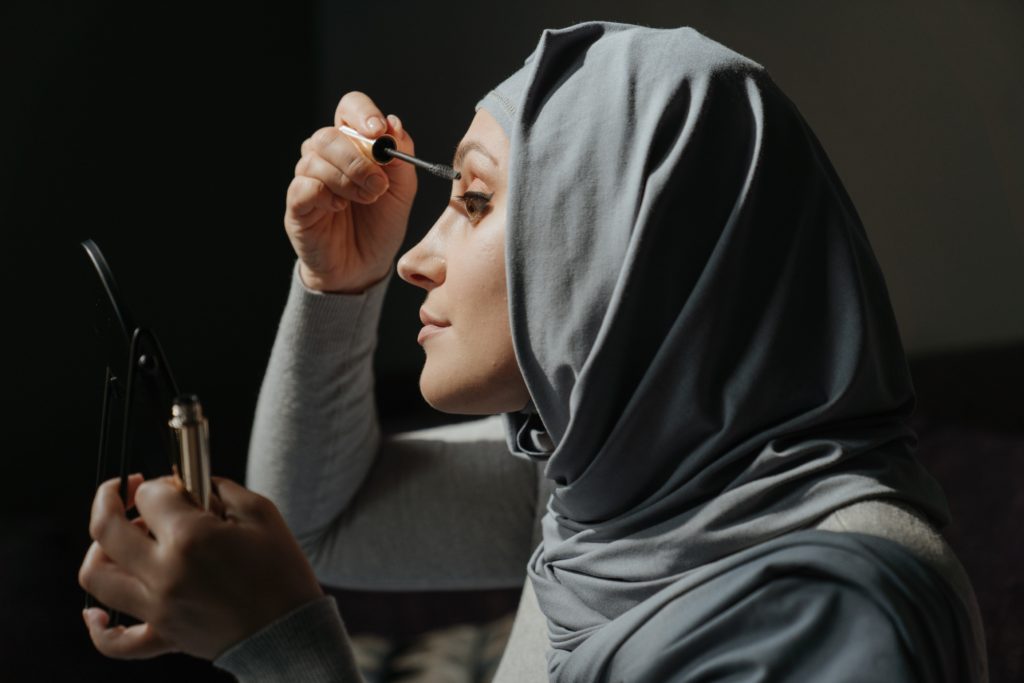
308 643
329 284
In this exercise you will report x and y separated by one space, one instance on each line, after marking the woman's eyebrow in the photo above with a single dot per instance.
467 147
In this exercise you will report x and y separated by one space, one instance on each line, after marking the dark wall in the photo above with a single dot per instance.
169 139
169 136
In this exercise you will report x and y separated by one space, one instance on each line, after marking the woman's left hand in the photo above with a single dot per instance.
199 582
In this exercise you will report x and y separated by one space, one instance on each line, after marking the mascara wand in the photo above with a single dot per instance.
384 150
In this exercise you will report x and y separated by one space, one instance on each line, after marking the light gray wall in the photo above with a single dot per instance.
920 106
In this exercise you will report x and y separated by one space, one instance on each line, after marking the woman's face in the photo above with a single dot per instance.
470 364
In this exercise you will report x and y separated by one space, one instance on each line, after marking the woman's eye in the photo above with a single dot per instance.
475 203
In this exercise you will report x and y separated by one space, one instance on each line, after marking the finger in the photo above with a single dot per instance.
132 642
110 584
216 502
240 503
166 507
357 110
397 129
141 523
307 202
312 165
217 505
342 152
133 484
125 543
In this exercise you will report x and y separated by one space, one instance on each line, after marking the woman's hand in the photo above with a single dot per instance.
198 582
345 215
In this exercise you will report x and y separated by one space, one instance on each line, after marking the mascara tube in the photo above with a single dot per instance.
192 433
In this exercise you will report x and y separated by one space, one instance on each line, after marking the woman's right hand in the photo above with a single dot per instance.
345 215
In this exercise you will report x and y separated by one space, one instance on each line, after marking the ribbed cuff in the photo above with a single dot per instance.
323 319
309 643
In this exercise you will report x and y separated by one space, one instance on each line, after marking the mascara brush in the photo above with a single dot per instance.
384 150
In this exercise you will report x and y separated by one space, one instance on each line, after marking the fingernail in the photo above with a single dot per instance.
374 124
376 184
395 123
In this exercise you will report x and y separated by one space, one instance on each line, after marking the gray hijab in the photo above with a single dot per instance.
714 366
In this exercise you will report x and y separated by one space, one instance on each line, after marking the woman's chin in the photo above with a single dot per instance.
446 404
462 384
446 394
440 394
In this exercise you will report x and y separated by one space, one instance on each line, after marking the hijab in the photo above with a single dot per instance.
713 364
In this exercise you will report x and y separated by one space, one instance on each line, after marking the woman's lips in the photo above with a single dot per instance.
429 331
431 325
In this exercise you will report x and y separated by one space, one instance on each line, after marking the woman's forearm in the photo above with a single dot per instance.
315 432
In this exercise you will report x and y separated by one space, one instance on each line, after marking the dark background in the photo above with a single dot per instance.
169 134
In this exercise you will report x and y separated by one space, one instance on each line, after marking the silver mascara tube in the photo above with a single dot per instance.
192 433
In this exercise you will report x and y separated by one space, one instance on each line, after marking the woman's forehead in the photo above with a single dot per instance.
486 137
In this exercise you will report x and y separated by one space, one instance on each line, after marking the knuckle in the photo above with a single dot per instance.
144 496
311 187
303 190
335 179
357 168
295 188
352 97
146 489
97 525
323 138
102 643
152 491
316 168
86 576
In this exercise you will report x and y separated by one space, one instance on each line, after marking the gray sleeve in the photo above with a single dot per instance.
309 643
445 508
315 431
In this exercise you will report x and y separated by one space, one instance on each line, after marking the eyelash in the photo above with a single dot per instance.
470 197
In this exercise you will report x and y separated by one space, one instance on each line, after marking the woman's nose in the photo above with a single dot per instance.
421 265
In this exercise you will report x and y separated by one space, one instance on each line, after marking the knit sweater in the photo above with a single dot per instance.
442 508
371 512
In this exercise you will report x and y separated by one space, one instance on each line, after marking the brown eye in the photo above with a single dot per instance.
475 203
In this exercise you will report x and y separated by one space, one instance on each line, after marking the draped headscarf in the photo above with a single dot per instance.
714 366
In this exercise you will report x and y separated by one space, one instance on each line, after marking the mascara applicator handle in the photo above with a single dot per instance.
384 150
374 150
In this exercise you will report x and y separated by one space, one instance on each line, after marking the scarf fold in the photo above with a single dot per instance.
725 368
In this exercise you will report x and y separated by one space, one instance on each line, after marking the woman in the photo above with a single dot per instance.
650 269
